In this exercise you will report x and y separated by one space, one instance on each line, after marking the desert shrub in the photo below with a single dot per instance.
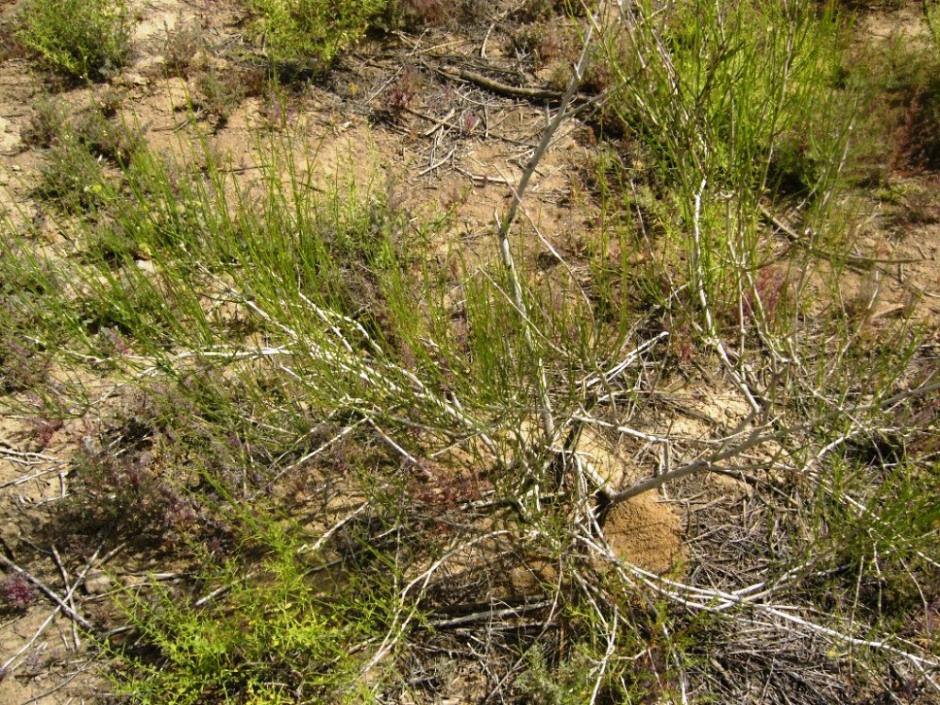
273 638
16 594
898 125
304 36
401 93
220 96
181 48
22 366
45 124
533 10
415 14
113 140
150 490
919 134
883 540
731 109
131 492
83 39
73 179
736 93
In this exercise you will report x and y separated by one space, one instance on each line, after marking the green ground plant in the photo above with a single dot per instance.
304 36
275 637
73 179
46 125
182 48
75 176
79 39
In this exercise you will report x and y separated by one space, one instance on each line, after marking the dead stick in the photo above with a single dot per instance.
505 89
68 587
488 615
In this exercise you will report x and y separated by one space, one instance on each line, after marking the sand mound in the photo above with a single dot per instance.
646 533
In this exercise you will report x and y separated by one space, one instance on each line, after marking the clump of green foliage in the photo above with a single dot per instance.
220 95
80 39
73 179
46 123
181 49
920 133
275 638
304 36
898 125
731 108
733 93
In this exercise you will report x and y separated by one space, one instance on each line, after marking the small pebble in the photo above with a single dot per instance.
97 583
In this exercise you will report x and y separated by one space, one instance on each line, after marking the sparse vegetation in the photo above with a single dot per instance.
898 85
46 124
73 179
220 95
367 456
79 39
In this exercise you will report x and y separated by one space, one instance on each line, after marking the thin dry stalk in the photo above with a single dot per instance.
504 226
713 339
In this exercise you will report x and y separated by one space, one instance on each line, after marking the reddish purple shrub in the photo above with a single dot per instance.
16 594
770 293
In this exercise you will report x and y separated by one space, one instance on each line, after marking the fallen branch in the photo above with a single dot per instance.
488 615
504 89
